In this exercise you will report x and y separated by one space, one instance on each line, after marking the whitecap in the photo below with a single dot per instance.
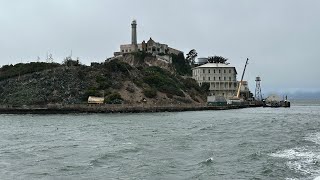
300 160
295 153
314 137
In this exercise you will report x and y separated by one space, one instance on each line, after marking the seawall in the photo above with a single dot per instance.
83 108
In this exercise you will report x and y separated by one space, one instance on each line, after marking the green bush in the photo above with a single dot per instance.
181 64
103 82
8 71
205 87
117 66
162 80
114 98
190 83
150 93
91 92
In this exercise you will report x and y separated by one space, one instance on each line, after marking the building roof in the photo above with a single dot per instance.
217 65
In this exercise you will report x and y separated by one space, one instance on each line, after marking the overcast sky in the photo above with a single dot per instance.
281 38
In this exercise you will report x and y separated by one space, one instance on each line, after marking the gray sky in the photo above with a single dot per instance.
281 38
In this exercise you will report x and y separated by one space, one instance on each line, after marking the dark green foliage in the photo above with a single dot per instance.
191 56
91 92
141 55
138 82
70 62
162 80
117 66
82 74
205 87
181 64
150 93
114 98
217 59
103 82
190 83
8 71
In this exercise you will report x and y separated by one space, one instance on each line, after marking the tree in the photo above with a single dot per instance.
217 59
191 56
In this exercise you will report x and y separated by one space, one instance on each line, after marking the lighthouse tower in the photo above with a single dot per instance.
134 35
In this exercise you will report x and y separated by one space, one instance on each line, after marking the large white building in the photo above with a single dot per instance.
221 77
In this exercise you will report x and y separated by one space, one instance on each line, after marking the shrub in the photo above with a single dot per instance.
118 66
103 82
8 71
91 92
162 81
181 64
190 83
114 98
150 93
205 87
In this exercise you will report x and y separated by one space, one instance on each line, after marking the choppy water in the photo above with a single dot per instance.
256 143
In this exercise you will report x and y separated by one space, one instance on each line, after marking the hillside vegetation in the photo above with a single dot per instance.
40 83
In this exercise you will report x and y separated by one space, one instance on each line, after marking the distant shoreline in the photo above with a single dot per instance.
80 109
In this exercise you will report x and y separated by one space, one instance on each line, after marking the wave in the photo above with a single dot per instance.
313 137
301 160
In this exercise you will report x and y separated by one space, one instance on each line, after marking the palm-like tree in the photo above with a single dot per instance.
191 56
217 59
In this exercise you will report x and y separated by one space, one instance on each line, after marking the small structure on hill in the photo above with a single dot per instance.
95 100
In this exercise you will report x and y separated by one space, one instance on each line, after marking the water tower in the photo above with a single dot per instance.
257 94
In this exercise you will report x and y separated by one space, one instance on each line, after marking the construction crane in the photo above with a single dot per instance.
240 84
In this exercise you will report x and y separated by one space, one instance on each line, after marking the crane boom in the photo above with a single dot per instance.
240 84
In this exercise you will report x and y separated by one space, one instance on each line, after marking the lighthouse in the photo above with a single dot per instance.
134 35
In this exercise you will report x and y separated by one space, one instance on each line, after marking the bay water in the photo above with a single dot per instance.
251 143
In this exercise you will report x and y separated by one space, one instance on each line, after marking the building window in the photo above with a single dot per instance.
229 78
230 85
209 77
204 71
229 70
219 78
224 71
214 78
219 71
209 71
224 78
214 71
225 85
204 78
122 50
235 85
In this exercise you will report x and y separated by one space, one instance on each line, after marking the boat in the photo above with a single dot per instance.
275 102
